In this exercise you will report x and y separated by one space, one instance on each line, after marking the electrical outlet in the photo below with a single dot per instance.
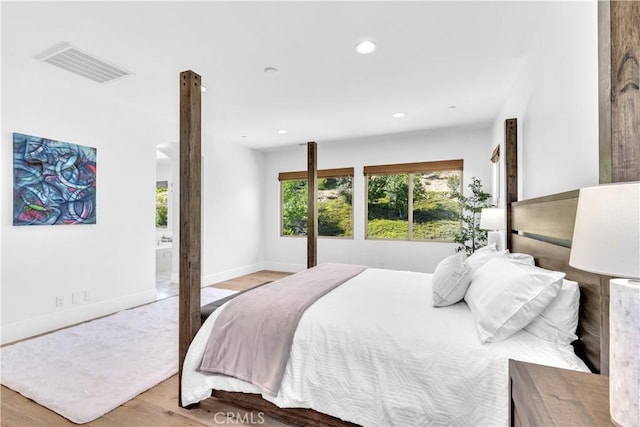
59 301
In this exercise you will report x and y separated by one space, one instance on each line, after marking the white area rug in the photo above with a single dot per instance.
85 371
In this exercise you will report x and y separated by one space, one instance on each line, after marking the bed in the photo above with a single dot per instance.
389 368
391 358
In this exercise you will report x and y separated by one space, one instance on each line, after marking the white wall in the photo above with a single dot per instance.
555 99
163 170
231 212
232 217
112 260
289 253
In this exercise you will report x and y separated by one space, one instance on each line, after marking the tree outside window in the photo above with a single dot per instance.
414 205
162 208
335 210
294 207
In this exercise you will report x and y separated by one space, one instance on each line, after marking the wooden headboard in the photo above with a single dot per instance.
543 227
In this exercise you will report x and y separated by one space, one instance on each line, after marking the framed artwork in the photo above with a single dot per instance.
54 182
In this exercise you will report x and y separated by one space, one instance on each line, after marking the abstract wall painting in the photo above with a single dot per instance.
54 182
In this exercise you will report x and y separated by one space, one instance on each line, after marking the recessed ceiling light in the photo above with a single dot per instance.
243 136
451 107
366 46
282 131
271 70
399 115
203 88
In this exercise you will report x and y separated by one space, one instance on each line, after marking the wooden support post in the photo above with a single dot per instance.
619 90
619 108
190 207
604 90
312 204
511 165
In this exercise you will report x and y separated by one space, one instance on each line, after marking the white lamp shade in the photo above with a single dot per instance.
606 237
492 219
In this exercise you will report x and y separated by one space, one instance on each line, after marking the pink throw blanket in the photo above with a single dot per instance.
251 339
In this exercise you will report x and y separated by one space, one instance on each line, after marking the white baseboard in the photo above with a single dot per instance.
72 315
282 266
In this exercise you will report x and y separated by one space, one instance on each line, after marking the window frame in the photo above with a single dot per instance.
410 169
322 173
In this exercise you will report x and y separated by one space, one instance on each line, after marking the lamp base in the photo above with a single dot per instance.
624 352
496 237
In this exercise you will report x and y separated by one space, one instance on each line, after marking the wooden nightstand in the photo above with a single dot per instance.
546 396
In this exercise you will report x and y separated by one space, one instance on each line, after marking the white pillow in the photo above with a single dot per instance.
505 296
450 280
481 256
518 257
559 321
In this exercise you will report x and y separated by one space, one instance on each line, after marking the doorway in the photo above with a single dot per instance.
164 238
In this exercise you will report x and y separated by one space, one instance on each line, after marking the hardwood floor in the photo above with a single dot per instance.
157 407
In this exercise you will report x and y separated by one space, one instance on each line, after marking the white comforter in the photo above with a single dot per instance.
377 353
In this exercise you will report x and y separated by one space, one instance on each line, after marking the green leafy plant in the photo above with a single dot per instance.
335 212
390 195
471 237
294 207
161 207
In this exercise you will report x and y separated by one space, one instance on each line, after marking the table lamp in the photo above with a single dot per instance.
606 241
492 219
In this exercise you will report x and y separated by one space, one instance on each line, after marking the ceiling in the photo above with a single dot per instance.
431 56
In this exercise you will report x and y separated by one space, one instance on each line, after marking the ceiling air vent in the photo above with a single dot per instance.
75 60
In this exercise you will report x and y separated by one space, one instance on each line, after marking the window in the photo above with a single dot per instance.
413 201
161 204
335 210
